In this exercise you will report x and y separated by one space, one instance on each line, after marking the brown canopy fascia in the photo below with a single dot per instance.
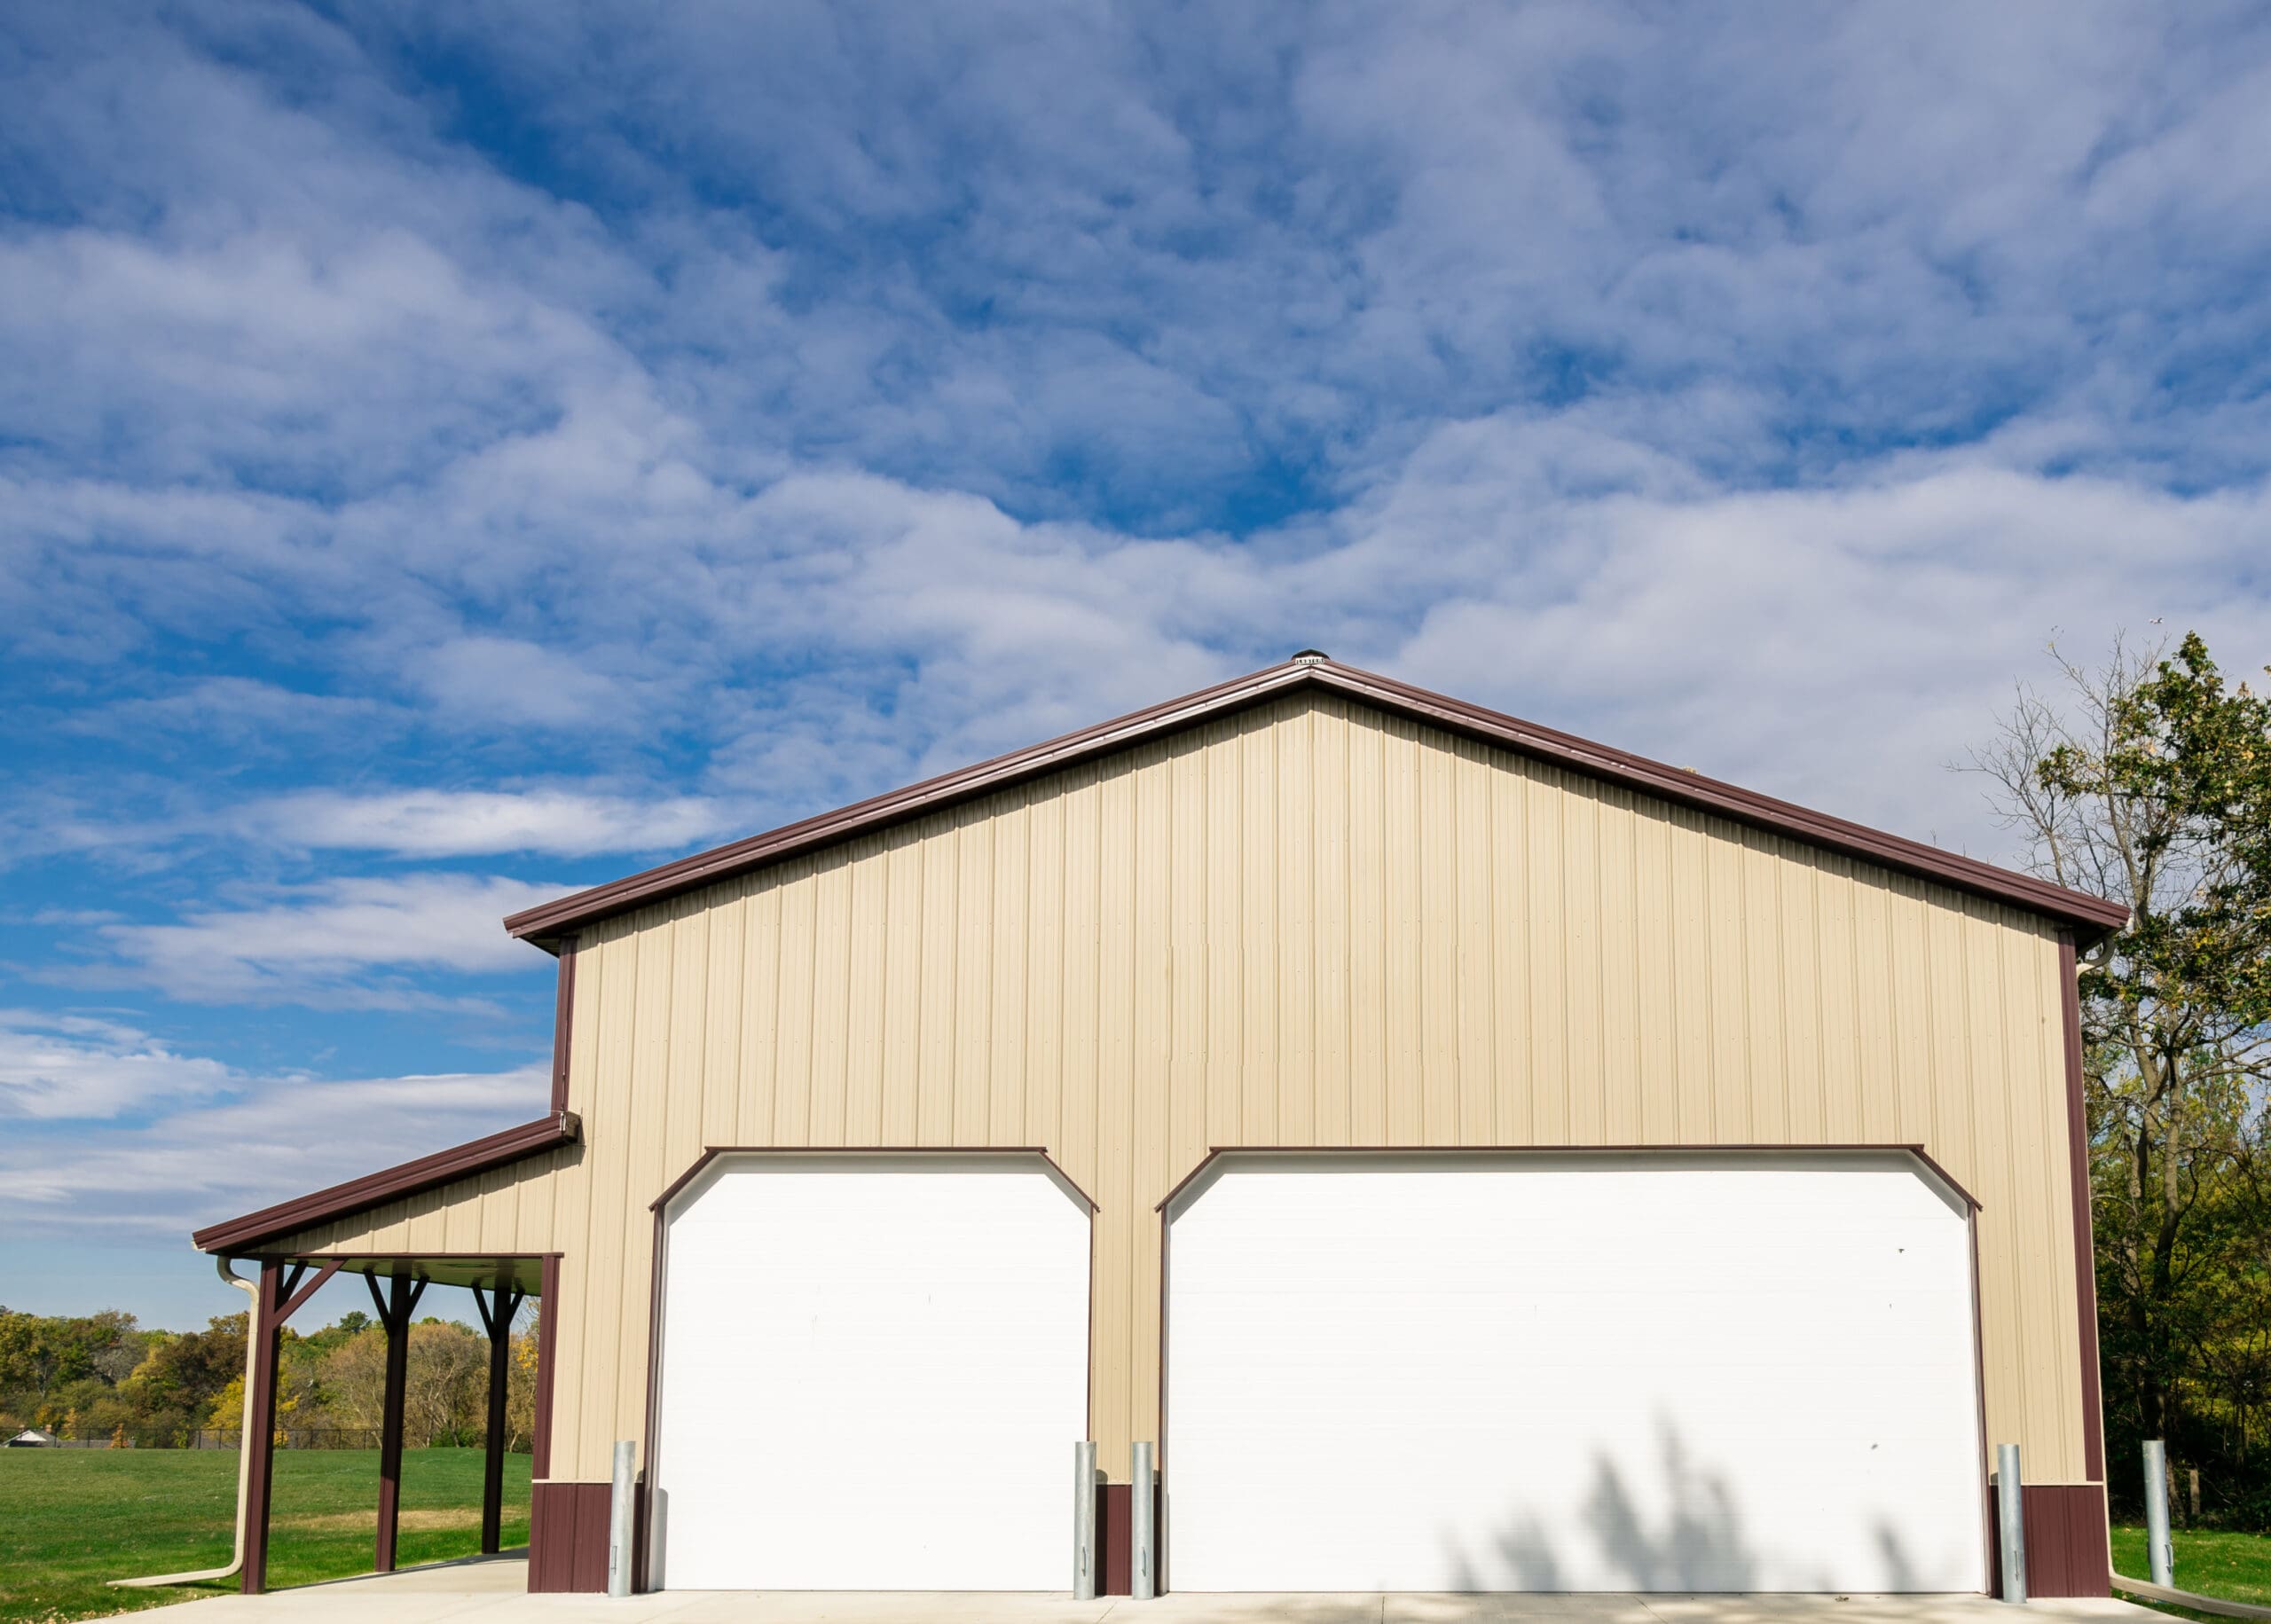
241 1236
2090 918
487 1270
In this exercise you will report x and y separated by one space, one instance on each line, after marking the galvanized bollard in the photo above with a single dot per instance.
2158 1551
1142 1537
619 1519
1084 1522
2010 1495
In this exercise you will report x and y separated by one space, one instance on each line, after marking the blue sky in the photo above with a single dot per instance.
451 453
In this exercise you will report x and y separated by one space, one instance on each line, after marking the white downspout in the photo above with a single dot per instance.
253 1331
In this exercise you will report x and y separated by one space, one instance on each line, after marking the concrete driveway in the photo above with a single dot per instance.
491 1591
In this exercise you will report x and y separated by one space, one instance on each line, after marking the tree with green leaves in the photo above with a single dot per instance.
2151 784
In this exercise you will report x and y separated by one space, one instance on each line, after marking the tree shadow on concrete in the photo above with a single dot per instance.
1700 1545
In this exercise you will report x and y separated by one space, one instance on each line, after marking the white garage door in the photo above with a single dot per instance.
1611 1372
873 1373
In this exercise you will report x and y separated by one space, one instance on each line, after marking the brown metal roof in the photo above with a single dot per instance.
2090 917
246 1234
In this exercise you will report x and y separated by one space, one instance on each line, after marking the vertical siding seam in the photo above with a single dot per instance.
732 1073
2017 1139
920 927
1742 853
1312 911
1279 738
1853 950
772 1049
1639 977
1602 987
1714 1084
1355 739
1028 1070
1820 1026
1383 736
591 1375
1997 1360
949 1050
812 998
1063 924
1567 1085
1900 1058
1490 880
1245 963
846 1134
1782 993
1450 974
1930 1037
1527 881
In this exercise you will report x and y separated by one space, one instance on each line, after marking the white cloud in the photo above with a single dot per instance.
65 1067
340 943
433 823
247 715
269 1138
508 681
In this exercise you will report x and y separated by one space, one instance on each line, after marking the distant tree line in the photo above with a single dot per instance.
101 1377
2149 781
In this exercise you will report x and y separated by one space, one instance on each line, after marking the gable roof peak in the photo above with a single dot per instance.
2090 918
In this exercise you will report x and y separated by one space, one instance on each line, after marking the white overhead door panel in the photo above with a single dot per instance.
1572 1373
873 1371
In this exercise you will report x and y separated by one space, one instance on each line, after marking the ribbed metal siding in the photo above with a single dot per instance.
1307 925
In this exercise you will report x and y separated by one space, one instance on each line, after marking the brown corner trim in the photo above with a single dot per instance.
2078 1195
547 1364
515 1144
1352 1152
2091 917
563 1011
711 1153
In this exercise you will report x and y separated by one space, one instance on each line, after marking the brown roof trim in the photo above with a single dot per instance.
2091 917
243 1234
1362 1152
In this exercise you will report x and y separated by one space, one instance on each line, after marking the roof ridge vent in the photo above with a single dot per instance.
1309 657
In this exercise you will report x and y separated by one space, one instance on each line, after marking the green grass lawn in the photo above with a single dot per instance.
2233 1567
71 1518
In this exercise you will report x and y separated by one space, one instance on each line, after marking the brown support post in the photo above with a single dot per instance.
260 1437
496 1317
402 1298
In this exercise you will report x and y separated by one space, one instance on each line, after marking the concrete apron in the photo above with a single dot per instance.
494 1589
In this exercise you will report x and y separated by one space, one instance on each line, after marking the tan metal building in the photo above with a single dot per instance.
1320 917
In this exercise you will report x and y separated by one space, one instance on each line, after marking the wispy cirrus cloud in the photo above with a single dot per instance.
443 823
186 1164
337 943
62 1067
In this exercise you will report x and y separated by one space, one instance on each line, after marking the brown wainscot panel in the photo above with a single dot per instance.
568 1537
2066 1551
1115 1527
